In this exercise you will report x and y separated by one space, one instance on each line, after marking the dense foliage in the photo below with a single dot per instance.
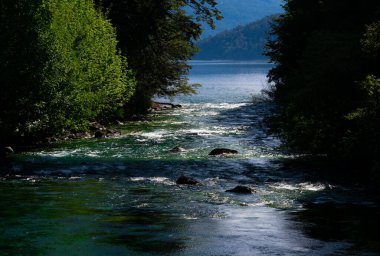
241 43
59 68
157 37
326 78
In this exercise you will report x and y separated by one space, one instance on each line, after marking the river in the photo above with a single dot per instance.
118 196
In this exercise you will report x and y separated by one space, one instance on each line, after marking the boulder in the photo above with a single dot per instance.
136 117
53 139
8 150
241 190
99 134
4 152
222 151
79 135
177 150
50 139
184 180
157 106
95 126
113 133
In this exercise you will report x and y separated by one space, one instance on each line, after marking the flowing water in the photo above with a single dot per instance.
118 196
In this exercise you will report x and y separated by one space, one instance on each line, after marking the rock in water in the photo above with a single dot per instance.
4 152
113 133
99 134
8 150
222 151
177 150
184 180
241 190
79 135
96 127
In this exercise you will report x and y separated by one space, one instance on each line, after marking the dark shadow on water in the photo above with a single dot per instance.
357 224
148 231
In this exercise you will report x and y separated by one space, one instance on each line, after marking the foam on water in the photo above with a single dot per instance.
221 106
158 180
57 154
300 186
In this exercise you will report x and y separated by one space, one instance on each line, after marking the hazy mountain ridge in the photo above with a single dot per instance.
241 12
241 43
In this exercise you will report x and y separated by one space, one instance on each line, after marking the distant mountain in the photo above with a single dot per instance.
241 43
240 12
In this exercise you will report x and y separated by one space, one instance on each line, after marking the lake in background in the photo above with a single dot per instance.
227 81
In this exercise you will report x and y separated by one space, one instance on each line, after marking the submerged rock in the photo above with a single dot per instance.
241 190
184 180
222 151
271 180
177 150
192 134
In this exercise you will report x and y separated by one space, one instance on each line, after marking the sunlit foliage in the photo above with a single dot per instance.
59 69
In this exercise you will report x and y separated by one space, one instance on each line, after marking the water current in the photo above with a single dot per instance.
118 196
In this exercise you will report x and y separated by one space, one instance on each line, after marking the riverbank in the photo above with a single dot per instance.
95 131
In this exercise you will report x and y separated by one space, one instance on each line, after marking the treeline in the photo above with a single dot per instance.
66 63
326 80
241 43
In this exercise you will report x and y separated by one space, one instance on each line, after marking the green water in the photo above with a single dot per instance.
118 196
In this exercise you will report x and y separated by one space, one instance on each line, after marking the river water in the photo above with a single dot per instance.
118 196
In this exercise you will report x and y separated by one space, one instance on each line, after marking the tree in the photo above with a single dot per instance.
60 68
320 61
157 37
